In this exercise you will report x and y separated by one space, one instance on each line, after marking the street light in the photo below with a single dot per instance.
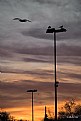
53 30
32 91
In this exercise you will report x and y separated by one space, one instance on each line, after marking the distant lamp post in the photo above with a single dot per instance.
53 30
32 91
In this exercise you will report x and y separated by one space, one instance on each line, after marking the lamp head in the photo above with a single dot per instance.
53 30
50 30
32 90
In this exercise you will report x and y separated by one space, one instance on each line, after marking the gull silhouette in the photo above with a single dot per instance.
22 20
61 27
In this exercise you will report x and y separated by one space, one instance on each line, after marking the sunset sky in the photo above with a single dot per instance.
26 55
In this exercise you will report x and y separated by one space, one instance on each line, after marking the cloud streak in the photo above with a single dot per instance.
15 92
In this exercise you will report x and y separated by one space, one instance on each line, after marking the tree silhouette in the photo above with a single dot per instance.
78 110
4 116
70 109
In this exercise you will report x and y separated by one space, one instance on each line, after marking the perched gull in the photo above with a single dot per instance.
61 26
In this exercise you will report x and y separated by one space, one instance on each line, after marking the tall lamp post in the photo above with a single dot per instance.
32 91
54 31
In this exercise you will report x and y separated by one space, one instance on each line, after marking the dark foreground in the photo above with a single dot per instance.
65 119
69 119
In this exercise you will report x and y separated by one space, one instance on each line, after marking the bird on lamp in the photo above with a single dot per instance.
49 27
61 26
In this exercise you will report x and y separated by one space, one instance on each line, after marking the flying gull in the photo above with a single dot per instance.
22 20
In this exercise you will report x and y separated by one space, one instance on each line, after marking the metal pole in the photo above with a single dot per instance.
55 76
53 30
32 91
32 108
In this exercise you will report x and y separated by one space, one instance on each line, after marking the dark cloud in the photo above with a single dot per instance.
37 73
35 60
47 51
68 50
74 76
38 30
5 53
13 93
39 33
70 75
36 50
62 50
44 1
70 88
7 69
73 31
65 54
74 60
69 91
